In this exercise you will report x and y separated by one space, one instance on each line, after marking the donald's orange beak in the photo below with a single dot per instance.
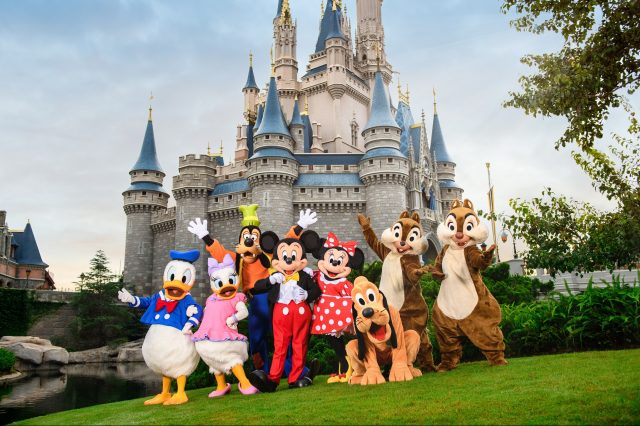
176 290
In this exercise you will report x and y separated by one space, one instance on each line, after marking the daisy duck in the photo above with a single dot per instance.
171 313
217 340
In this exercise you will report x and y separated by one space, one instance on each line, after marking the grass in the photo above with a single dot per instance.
577 388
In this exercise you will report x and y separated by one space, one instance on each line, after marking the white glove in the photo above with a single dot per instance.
125 297
232 322
300 294
307 218
192 310
199 227
308 271
277 278
187 328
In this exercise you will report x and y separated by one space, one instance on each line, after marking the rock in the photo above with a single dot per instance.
34 352
131 352
102 354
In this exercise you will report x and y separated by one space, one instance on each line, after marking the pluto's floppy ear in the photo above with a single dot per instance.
310 240
268 241
393 339
456 204
415 217
404 215
468 204
359 336
357 260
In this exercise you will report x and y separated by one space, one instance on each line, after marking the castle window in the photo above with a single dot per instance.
230 197
145 192
310 167
303 190
356 189
240 174
284 161
386 129
145 172
346 168
134 173
299 132
226 177
371 162
215 200
373 131
280 137
448 190
389 160
157 174
338 189
320 190
328 167
326 151
266 137
244 195
265 161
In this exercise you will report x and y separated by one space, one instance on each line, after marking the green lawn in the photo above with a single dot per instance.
583 388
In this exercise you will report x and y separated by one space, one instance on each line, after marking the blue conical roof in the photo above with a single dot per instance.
330 25
279 12
148 158
27 252
308 133
251 80
380 114
272 119
438 148
404 118
296 118
259 117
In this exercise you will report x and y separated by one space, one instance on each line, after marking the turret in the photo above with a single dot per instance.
251 91
384 168
144 196
296 128
445 166
272 168
285 55
370 40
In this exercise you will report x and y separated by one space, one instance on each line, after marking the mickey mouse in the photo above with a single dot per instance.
290 290
332 313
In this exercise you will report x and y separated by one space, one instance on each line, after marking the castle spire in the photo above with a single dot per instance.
296 118
150 108
438 147
380 114
435 112
251 80
148 158
272 117
330 24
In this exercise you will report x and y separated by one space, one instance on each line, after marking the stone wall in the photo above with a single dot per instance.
162 243
139 250
55 326
577 283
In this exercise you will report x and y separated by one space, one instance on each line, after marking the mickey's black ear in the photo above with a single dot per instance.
310 240
393 339
268 241
318 252
357 260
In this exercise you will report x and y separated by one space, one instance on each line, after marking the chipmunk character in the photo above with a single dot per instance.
464 306
217 340
381 339
332 313
172 312
252 265
400 248
290 291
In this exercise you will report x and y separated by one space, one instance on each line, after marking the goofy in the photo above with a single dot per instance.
253 265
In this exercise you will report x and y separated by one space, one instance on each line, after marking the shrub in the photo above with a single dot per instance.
7 360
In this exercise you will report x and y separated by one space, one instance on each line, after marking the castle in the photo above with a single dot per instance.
329 140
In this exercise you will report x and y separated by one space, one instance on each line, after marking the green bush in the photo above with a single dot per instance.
7 360
19 310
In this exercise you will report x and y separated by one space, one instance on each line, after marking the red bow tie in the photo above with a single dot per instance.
168 305
332 241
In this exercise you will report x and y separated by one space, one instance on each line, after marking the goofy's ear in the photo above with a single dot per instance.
357 260
415 217
310 240
456 204
264 260
359 336
268 241
468 204
404 215
393 339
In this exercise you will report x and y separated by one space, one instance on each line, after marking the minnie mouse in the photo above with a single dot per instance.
332 313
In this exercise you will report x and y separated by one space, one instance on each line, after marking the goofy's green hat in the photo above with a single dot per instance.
249 215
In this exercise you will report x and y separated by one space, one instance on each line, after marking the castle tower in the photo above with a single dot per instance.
244 133
297 128
384 168
370 40
145 196
285 56
272 169
445 166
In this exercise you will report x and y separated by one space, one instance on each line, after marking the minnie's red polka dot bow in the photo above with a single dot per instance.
349 246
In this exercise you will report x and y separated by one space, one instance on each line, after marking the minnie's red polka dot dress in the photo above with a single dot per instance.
332 312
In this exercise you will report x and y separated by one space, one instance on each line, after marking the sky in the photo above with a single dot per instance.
76 77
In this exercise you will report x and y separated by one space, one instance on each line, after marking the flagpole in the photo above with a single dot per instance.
491 196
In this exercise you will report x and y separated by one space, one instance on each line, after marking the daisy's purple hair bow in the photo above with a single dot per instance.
215 266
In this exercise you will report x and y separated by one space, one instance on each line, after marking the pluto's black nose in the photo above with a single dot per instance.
367 312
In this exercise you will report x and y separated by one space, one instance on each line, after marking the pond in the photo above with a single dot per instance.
79 385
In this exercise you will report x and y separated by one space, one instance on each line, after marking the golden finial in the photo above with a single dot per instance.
295 98
250 58
344 8
208 149
285 17
221 148
321 9
273 65
378 54
434 101
408 95
333 7
423 116
306 106
150 108
399 88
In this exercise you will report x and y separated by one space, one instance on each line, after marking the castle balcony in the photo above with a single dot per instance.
193 160
146 176
273 141
199 181
384 169
143 201
163 220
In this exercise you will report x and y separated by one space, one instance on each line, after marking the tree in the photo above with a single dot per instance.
598 63
100 320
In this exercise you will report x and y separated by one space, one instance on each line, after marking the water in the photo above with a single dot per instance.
80 385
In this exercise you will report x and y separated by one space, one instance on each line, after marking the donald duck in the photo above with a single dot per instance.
172 312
